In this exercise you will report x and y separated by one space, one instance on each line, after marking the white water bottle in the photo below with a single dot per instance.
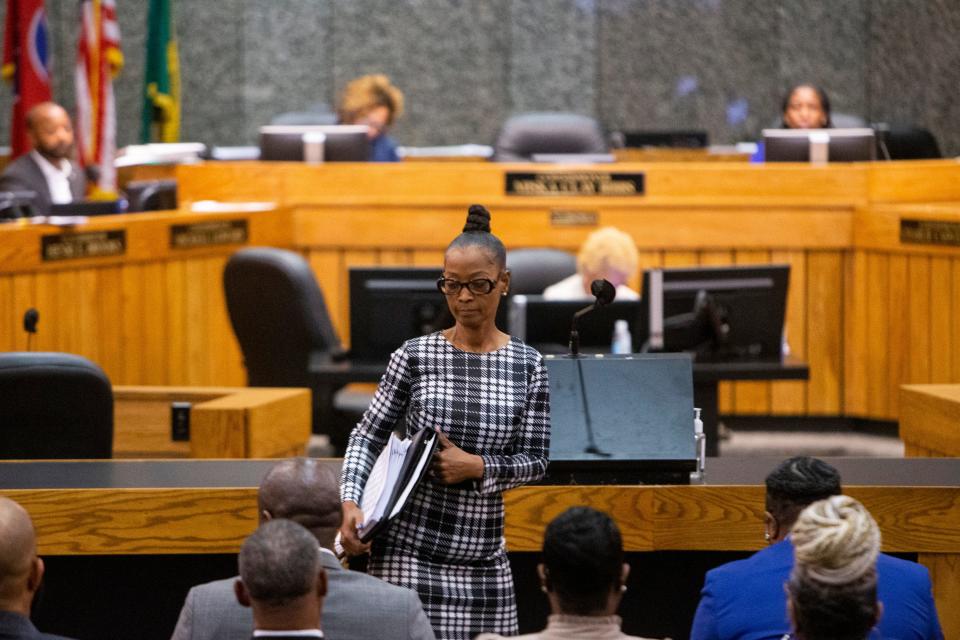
622 340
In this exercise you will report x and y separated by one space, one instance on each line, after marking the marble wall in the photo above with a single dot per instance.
464 65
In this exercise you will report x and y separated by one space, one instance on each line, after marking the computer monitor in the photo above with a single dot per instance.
799 145
545 324
340 142
86 208
389 305
621 419
716 313
17 204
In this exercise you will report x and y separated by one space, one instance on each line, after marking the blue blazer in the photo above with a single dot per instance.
746 599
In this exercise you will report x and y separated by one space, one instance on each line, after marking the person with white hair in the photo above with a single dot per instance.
607 253
832 591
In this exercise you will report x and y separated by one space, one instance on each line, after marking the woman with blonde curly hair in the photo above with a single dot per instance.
371 100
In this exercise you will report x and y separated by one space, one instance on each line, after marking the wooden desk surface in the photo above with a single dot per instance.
123 507
174 507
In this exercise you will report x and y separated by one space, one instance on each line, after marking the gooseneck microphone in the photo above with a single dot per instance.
30 319
604 292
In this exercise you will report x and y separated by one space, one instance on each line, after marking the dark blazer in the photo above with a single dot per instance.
14 626
24 174
745 599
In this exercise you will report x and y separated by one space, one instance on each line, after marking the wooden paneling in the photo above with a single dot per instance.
751 397
652 518
945 575
825 337
865 310
789 397
930 419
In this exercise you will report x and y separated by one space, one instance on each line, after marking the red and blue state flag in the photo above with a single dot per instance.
26 63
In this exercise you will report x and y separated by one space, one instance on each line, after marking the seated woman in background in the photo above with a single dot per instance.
607 253
806 106
584 577
832 591
373 101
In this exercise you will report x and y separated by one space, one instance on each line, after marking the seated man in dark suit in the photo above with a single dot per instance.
746 599
21 572
282 580
47 170
357 606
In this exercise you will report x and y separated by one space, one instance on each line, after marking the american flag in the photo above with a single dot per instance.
99 60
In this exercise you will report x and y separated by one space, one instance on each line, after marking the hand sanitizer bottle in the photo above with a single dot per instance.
700 443
622 340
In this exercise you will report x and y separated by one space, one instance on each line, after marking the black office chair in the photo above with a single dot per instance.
533 270
151 195
54 406
527 134
900 142
281 322
319 113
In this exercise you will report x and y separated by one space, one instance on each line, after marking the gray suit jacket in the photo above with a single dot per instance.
23 174
357 606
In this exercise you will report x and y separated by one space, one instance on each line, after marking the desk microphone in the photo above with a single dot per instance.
30 319
604 292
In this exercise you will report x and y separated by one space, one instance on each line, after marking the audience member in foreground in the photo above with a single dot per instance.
282 580
746 599
47 170
806 106
373 101
607 253
21 572
357 605
833 585
583 575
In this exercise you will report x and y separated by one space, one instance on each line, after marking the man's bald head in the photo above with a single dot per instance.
50 131
19 570
306 491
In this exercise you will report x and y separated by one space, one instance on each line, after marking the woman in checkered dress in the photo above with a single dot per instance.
488 396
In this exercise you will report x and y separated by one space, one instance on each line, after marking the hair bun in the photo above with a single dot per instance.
478 219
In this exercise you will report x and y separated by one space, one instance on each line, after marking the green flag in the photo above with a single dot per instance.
161 84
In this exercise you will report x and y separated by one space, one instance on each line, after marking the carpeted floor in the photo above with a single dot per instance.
794 443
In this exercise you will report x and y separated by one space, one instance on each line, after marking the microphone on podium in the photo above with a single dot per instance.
30 319
604 293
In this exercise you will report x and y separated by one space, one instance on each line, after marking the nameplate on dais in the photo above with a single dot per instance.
930 232
204 234
568 218
587 183
93 244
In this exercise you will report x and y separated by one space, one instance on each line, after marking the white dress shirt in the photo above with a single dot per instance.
58 178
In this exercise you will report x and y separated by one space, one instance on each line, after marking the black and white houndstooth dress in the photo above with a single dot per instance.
448 543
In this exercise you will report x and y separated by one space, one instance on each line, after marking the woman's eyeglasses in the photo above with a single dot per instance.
480 286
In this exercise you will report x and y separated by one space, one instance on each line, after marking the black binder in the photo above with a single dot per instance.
415 464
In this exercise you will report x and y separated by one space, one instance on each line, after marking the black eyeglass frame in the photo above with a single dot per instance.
471 286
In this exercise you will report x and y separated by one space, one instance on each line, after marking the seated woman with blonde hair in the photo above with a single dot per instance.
584 577
832 591
371 100
607 253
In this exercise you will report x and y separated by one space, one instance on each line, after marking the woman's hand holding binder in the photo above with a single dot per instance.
453 465
349 530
